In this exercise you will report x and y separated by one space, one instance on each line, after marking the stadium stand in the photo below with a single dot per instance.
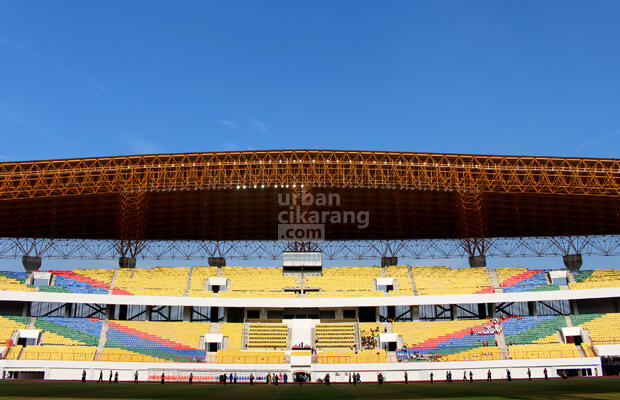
9 324
178 341
401 275
234 356
14 352
233 331
530 330
267 336
159 281
343 357
14 281
199 285
436 340
603 328
444 280
335 335
95 281
337 282
69 331
258 282
59 353
592 279
555 350
523 280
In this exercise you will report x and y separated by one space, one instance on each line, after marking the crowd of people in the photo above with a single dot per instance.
369 338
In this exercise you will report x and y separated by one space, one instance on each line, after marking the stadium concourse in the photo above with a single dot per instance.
338 321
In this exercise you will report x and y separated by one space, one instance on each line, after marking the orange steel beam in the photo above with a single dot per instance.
322 168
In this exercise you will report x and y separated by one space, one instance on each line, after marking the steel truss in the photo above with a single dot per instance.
332 250
312 168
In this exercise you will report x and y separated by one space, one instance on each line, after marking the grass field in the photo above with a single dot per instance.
602 388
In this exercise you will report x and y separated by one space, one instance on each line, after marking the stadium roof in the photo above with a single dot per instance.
235 195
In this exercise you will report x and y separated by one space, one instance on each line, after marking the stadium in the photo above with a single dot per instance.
295 210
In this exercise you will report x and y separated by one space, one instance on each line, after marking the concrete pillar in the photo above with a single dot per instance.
187 314
492 310
263 313
26 309
149 313
574 308
109 311
531 308
68 308
415 313
453 312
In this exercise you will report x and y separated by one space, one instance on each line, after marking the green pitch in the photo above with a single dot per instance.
601 388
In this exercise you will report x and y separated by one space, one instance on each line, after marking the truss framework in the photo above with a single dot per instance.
312 168
332 250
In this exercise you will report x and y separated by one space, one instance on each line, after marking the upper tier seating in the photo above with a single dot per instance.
177 341
258 282
95 281
69 331
557 350
600 278
345 282
335 335
444 280
526 330
603 328
199 286
9 324
523 280
401 275
159 281
60 353
14 281
267 336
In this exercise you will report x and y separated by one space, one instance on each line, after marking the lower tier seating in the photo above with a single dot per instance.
557 350
169 340
235 356
528 330
351 357
335 335
9 324
603 328
267 336
69 331
60 353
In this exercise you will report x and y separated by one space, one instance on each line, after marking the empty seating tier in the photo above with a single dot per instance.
235 356
178 341
258 282
444 280
94 281
351 357
9 324
267 336
600 278
557 350
523 280
59 353
69 331
603 328
335 335
345 282
526 330
199 281
14 281
159 281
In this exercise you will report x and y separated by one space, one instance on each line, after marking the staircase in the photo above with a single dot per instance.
569 322
215 327
102 340
503 347
358 336
245 339
32 320
570 277
113 281
581 352
494 280
415 289
189 282
383 273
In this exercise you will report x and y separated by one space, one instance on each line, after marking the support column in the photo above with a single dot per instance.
415 313
472 225
31 263
149 313
531 308
574 308
68 308
122 312
492 310
130 223
187 314
109 311
453 312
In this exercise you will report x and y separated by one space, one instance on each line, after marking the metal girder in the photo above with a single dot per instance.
311 168
332 250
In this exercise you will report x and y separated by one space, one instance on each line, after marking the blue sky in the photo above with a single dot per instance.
109 78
